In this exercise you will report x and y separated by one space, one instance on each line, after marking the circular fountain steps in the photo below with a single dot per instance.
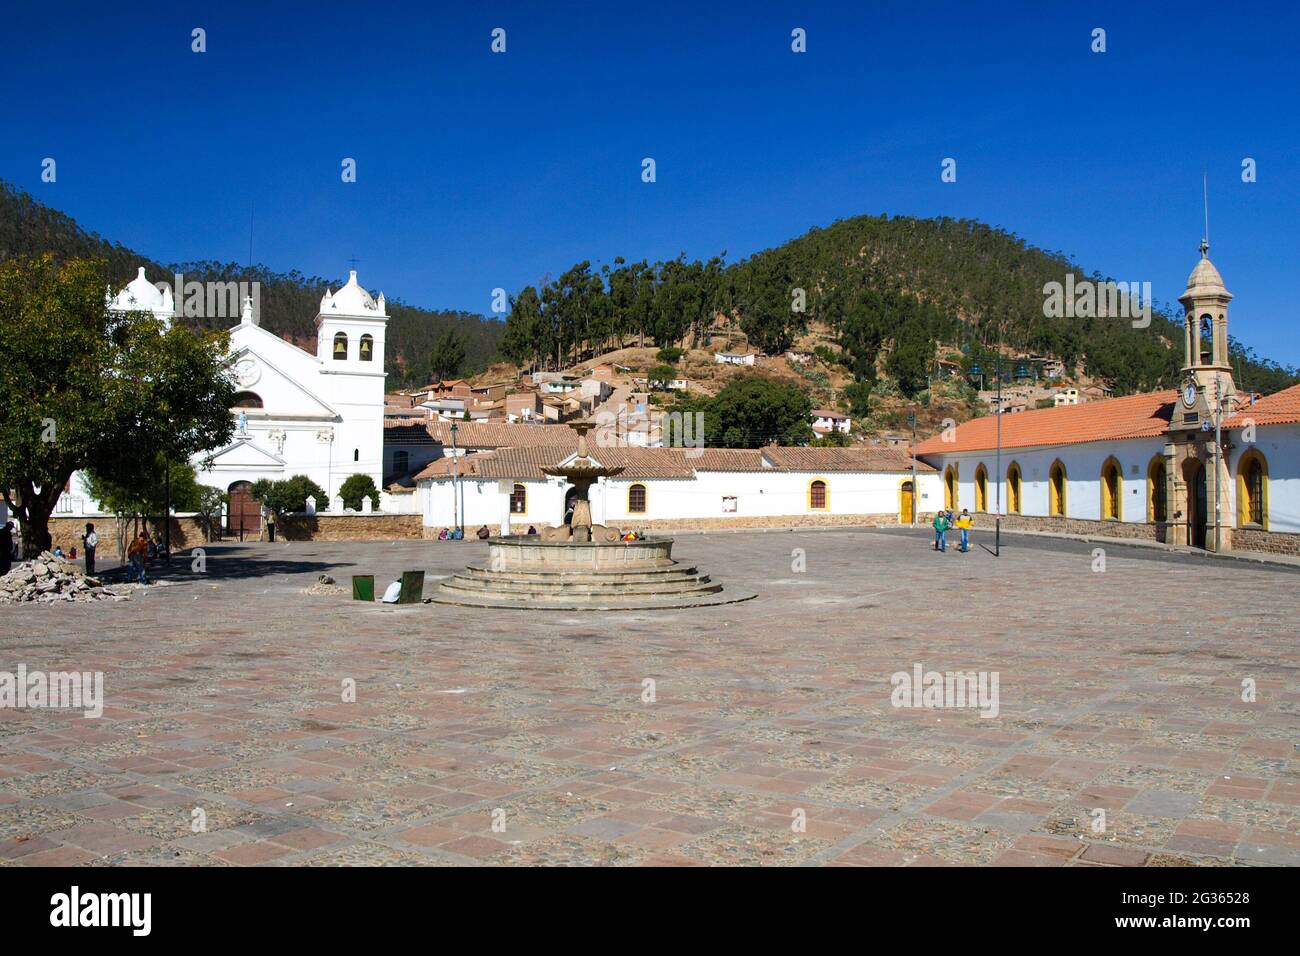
528 575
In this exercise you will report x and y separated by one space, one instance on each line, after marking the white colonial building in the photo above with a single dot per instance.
1201 465
319 414
508 489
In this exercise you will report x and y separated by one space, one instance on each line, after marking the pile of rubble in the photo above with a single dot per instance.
47 579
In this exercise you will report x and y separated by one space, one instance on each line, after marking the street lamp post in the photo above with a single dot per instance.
916 492
997 520
1218 464
455 486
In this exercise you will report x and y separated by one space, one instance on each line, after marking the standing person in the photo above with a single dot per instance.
136 553
90 541
964 523
270 525
941 531
6 547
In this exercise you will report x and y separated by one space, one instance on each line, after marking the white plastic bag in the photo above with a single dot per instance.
393 592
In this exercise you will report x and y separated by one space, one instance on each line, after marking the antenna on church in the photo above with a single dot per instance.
1205 198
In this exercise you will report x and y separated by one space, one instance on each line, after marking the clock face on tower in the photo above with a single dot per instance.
1189 394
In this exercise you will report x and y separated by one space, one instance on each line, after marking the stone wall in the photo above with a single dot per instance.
772 521
350 527
1270 542
1078 526
186 532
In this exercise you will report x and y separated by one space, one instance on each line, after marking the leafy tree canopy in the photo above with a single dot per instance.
85 388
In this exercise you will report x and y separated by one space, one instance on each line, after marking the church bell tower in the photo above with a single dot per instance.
1197 478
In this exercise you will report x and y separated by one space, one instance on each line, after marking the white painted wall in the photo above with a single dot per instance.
1082 463
757 494
1280 446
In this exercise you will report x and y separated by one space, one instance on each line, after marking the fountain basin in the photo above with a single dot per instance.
529 573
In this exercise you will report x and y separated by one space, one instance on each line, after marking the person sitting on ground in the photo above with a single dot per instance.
532 529
442 535
964 523
58 552
483 533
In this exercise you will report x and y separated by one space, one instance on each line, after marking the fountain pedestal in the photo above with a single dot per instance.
580 565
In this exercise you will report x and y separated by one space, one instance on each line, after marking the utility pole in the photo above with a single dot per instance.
997 521
1218 464
167 509
911 420
455 484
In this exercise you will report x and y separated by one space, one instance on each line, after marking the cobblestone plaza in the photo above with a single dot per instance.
764 732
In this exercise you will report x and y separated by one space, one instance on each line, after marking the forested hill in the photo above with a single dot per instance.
289 301
985 286
891 291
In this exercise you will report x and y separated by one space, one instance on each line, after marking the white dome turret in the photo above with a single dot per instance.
141 295
352 300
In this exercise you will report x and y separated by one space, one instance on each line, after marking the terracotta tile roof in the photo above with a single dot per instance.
875 459
1280 408
464 465
828 413
485 435
724 459
1111 419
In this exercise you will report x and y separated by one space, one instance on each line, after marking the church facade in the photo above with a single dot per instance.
319 414
1200 465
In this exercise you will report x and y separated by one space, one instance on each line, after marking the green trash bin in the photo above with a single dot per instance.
412 587
363 587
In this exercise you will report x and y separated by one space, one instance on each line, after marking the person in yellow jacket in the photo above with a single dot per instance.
964 523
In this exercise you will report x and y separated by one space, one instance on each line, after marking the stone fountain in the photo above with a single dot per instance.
580 566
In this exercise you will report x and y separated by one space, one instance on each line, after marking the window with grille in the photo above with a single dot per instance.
519 500
817 495
1255 492
636 500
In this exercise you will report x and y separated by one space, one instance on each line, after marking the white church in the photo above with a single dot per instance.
317 414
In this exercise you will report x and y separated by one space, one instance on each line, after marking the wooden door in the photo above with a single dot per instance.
243 511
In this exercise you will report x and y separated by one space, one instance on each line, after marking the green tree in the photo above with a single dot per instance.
859 398
909 362
658 377
290 495
82 387
753 411
448 355
357 487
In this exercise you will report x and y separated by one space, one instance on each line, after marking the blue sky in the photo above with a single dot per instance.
477 170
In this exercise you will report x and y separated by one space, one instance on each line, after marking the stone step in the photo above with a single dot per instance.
594 603
569 588
664 575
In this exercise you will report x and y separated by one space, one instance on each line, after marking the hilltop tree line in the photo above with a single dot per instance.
890 289
288 301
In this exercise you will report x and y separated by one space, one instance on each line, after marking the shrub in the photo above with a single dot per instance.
357 487
290 495
669 355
